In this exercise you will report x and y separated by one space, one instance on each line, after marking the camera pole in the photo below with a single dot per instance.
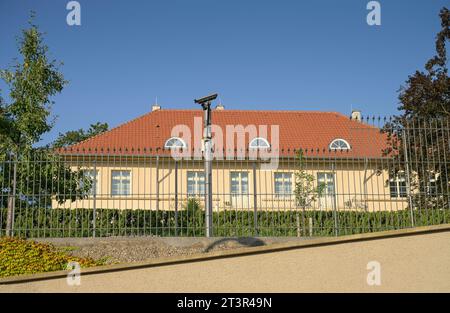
206 105
208 172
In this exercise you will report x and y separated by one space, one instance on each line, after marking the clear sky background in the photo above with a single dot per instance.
274 55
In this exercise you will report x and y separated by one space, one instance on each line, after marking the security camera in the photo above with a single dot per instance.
205 101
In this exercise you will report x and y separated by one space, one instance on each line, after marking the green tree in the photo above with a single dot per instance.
419 136
427 94
306 191
5 122
72 137
32 82
30 175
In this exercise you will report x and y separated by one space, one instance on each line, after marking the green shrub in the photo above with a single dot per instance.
190 221
19 256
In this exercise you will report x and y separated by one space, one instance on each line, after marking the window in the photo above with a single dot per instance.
327 180
327 199
259 143
397 186
174 142
239 190
339 144
93 176
120 183
283 184
432 187
195 183
239 183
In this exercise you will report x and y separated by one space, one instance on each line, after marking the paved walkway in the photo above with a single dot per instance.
412 263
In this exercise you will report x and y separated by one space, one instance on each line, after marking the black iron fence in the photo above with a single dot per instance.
390 176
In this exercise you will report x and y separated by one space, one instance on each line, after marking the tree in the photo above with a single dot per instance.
72 137
427 94
4 122
418 139
306 192
30 175
32 83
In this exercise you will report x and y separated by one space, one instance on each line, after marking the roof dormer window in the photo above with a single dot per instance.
339 144
174 142
259 143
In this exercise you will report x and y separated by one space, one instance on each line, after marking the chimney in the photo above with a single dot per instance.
220 107
356 115
156 106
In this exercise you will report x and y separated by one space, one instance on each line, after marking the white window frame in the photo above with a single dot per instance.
96 181
286 180
121 194
166 144
328 197
252 146
432 187
197 183
328 179
339 139
240 175
400 177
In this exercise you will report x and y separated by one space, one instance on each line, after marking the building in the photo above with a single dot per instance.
154 162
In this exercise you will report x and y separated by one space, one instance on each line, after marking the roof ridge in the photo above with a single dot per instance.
252 110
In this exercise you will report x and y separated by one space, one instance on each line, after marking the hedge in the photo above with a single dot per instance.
46 222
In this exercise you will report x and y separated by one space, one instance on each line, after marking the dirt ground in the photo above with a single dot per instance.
131 249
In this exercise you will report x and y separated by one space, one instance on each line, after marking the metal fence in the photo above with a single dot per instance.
312 191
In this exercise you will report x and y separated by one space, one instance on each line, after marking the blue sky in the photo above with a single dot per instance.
290 55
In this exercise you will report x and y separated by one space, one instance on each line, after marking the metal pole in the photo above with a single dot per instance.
408 180
255 199
336 225
94 210
206 105
157 185
157 195
12 203
208 170
176 198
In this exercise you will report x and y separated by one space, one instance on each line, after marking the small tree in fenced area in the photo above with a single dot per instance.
306 191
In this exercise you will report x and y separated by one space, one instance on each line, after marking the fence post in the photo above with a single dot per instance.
94 205
336 223
408 179
157 194
255 199
12 202
176 198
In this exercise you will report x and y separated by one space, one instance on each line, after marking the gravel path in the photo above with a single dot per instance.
131 249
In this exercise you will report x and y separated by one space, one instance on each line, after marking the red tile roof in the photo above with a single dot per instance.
311 131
